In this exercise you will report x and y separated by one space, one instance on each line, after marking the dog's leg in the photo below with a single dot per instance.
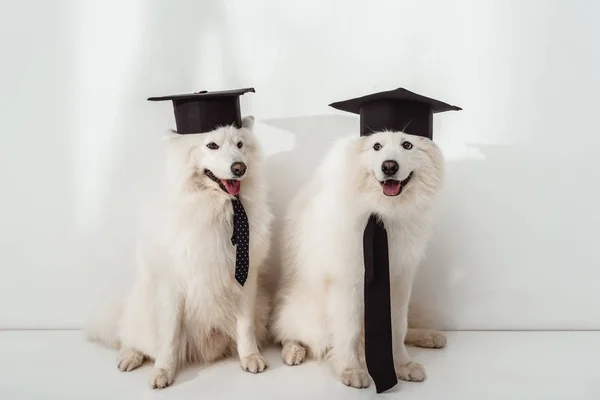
427 338
250 358
345 311
169 312
406 369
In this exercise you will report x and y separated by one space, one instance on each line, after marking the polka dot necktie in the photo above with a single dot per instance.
240 239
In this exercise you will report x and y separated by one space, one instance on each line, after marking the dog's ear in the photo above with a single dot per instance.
248 122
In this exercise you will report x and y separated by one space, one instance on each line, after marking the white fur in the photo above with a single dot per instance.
186 305
319 304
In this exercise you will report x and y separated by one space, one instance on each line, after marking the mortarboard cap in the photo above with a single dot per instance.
397 110
205 111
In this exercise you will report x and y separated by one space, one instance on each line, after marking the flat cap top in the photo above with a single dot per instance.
400 94
203 95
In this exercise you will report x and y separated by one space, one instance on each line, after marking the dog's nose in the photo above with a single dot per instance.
238 169
389 167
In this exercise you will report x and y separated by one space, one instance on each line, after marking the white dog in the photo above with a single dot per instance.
319 305
186 306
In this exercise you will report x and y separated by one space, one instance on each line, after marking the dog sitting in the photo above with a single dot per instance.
186 305
319 303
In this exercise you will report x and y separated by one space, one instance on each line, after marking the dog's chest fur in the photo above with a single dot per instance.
407 242
207 267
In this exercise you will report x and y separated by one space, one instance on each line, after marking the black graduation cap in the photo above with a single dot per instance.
394 110
397 110
205 111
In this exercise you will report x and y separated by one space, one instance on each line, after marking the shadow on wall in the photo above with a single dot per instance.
444 284
467 254
499 244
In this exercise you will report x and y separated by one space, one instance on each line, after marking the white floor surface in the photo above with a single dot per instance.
474 365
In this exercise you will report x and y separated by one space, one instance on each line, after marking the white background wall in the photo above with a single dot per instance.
80 146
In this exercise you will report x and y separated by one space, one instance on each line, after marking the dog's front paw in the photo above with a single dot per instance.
293 353
412 371
355 377
130 360
254 363
427 338
160 378
435 340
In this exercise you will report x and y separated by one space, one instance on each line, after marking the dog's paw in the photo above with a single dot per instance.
436 340
426 338
160 378
431 340
412 371
293 353
130 360
254 363
355 377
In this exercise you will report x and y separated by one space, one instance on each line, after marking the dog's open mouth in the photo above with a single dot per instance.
392 187
231 186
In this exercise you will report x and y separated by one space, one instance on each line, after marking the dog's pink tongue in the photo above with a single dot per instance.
232 186
391 187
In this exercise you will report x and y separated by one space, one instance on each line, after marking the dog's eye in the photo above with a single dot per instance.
213 146
376 147
240 145
407 145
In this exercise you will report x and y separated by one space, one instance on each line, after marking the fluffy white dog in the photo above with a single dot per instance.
319 305
186 305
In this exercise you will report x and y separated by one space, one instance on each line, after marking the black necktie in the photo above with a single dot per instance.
378 322
241 238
